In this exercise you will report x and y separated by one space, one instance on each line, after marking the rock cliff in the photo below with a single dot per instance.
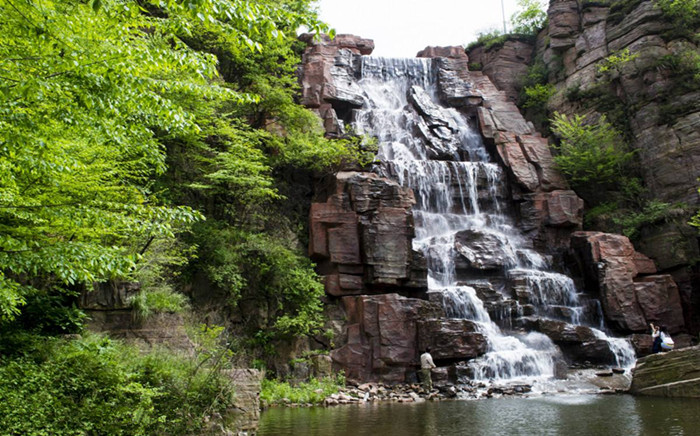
362 224
651 94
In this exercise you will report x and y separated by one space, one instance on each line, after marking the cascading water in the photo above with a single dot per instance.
461 194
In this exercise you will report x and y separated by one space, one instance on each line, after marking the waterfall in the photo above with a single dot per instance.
461 215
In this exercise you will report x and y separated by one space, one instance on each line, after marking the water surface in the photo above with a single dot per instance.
544 415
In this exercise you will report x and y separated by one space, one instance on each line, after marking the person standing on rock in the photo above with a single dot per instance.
426 364
656 337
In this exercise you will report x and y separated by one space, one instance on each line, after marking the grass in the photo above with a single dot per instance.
275 392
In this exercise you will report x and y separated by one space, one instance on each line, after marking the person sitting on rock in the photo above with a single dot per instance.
426 364
655 336
666 341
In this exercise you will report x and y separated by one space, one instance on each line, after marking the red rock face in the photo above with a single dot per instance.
452 339
630 299
505 66
382 337
361 237
323 75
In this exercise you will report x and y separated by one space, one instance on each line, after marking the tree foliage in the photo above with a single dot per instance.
590 155
684 13
530 17
97 386
125 123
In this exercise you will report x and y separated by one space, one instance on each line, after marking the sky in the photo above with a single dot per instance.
400 28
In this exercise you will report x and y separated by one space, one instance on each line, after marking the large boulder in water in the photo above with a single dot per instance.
483 250
673 374
452 339
578 343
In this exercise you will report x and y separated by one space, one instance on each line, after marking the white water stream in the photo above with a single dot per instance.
464 190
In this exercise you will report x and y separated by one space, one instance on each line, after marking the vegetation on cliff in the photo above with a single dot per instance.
529 19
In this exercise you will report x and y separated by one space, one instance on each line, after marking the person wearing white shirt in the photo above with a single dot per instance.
426 364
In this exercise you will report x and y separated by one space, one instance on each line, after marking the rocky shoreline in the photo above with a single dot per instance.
589 381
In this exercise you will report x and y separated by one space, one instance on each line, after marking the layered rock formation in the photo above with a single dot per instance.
362 224
631 293
675 374
649 93
361 237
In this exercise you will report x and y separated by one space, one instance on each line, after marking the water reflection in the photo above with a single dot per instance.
546 415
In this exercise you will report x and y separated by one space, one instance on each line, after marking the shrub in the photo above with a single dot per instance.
98 386
590 155
314 391
146 303
695 220
538 95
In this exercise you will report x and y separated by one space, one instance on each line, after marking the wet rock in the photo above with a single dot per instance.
578 343
673 374
430 112
451 339
483 251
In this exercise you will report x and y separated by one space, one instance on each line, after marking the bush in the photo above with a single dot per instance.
98 386
146 303
275 392
538 95
489 40
591 156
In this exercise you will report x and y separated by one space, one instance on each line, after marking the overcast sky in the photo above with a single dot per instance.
400 28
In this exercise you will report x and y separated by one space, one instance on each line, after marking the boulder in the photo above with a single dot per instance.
578 343
675 374
483 251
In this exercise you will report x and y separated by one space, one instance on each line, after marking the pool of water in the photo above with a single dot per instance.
542 415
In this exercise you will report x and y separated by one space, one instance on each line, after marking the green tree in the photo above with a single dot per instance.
591 156
92 93
530 17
